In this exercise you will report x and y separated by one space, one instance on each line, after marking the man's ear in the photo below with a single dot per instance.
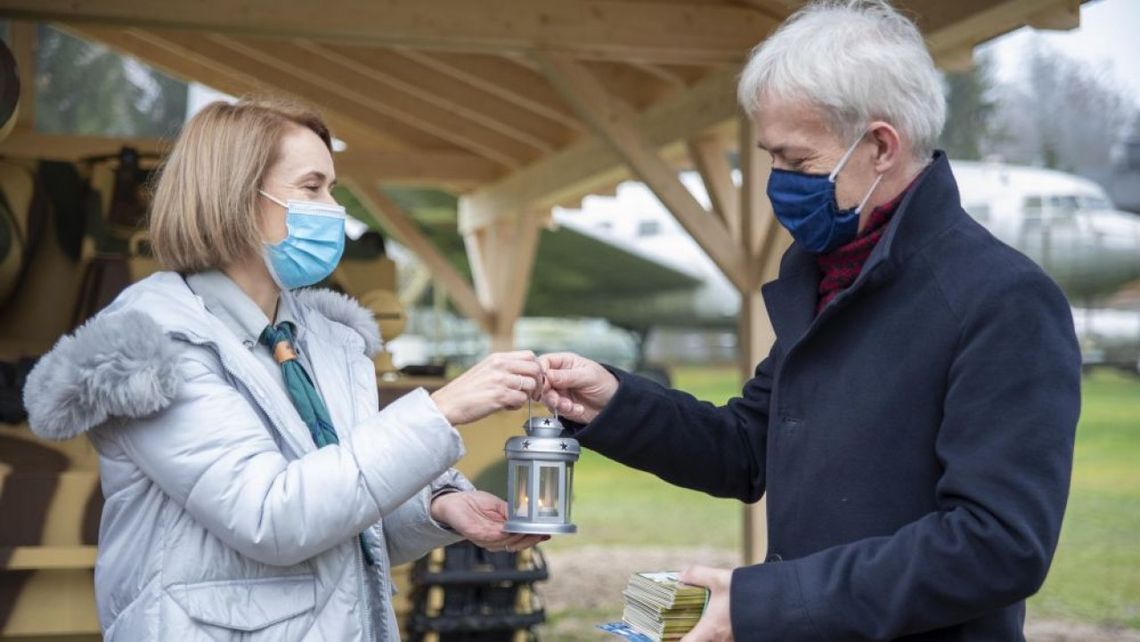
888 146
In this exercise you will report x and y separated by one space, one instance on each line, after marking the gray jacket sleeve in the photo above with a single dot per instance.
411 532
210 452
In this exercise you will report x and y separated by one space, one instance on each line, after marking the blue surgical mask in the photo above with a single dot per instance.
313 247
805 205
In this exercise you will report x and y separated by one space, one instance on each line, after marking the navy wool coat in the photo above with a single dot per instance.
914 439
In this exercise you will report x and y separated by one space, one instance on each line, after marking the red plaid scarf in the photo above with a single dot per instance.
840 267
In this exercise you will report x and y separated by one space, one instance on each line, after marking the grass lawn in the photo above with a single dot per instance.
1096 573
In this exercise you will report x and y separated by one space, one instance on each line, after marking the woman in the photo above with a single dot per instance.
253 491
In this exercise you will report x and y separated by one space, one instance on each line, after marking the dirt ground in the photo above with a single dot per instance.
586 584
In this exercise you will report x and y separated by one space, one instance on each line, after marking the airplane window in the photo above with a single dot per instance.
1065 202
649 228
1095 203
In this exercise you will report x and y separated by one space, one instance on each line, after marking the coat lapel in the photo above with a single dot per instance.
791 299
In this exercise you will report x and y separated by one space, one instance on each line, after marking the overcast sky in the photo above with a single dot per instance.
1108 40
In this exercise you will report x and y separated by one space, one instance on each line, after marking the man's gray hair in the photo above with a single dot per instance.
858 60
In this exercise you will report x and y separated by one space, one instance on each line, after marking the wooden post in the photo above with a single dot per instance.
755 331
502 261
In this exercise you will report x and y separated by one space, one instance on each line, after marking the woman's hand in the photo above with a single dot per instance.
479 517
576 387
502 381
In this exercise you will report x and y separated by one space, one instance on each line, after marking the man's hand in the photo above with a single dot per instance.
479 517
576 387
715 625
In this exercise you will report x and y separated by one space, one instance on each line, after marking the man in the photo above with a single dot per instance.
913 424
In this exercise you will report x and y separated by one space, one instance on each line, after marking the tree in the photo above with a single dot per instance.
971 107
1066 115
84 88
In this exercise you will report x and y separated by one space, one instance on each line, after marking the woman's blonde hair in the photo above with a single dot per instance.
204 209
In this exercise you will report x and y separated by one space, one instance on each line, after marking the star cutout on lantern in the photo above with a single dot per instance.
564 446
526 444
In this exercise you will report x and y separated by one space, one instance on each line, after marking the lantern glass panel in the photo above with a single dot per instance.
569 488
548 493
522 482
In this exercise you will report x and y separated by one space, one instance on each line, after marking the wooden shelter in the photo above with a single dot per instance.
515 105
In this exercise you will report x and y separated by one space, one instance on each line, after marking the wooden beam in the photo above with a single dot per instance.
995 19
662 73
24 143
399 224
356 127
22 41
517 273
590 163
631 83
658 31
336 85
417 168
399 73
708 156
1060 17
955 60
502 260
777 9
503 78
43 558
616 124
481 258
390 167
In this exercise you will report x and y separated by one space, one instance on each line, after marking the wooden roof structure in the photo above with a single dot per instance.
516 105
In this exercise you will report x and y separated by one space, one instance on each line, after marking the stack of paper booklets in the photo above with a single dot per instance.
662 608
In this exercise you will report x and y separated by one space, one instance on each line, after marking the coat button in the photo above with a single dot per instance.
774 557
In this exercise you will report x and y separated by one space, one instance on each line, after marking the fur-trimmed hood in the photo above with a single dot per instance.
123 363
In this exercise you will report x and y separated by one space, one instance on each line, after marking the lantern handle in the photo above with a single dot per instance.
542 371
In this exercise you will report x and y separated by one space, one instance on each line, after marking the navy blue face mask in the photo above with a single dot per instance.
805 205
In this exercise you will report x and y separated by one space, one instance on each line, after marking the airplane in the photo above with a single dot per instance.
1067 224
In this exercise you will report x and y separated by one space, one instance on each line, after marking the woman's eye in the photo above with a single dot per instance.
313 188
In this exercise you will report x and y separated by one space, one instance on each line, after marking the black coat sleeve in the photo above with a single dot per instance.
690 443
1005 446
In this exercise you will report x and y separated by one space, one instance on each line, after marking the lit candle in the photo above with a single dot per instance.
546 511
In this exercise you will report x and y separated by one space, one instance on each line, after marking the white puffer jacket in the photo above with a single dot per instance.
222 520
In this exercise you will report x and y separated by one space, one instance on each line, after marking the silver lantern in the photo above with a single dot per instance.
540 477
